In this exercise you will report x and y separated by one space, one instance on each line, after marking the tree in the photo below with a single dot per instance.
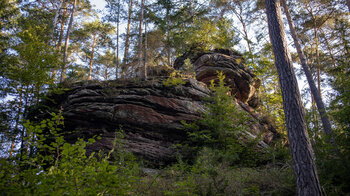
316 94
144 72
65 55
301 150
107 61
91 37
114 16
127 38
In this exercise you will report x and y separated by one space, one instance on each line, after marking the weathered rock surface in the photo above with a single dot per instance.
149 113
241 80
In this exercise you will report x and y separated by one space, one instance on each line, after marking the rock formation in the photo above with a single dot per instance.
240 79
150 113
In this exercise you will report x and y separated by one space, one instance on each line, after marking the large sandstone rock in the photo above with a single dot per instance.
149 113
242 81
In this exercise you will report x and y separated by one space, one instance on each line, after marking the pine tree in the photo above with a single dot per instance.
303 159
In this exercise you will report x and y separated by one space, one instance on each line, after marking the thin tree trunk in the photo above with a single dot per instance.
65 55
106 73
301 150
168 33
59 43
143 75
318 99
23 129
348 4
314 113
245 32
13 142
329 49
117 62
127 38
55 21
92 56
191 10
317 59
145 52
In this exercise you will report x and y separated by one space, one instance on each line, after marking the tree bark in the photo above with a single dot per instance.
145 52
63 21
92 56
13 142
65 56
317 96
168 32
144 74
127 38
348 4
55 20
117 62
59 43
301 150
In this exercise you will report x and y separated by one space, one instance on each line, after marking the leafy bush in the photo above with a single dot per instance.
60 168
173 80
208 176
222 127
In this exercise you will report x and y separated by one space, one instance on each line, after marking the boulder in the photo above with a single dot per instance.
149 113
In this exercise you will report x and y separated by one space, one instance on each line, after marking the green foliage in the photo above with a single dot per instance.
60 168
210 176
188 68
174 80
209 34
334 164
224 129
269 92
222 123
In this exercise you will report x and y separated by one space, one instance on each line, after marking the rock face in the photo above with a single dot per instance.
150 113
241 80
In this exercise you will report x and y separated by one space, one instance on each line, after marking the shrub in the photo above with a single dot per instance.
60 168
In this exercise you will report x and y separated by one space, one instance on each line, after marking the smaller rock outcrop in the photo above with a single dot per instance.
242 81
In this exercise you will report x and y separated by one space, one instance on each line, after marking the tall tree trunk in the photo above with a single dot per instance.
139 66
106 73
55 20
92 56
301 150
317 59
117 62
65 55
329 48
145 52
25 102
245 31
59 43
317 96
168 32
13 142
63 21
127 38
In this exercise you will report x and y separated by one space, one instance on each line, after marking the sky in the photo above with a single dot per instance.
99 4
